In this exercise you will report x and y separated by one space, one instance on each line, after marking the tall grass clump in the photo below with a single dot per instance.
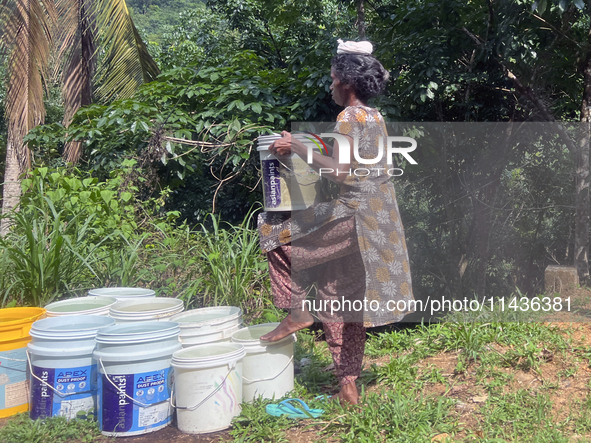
43 256
61 231
233 270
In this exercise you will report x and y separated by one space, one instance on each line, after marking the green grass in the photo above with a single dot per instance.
392 417
21 429
521 416
397 402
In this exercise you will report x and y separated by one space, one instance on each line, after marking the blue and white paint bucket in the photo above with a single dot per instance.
135 377
289 184
63 373
208 386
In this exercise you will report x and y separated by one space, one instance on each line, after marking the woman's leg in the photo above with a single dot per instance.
343 285
346 342
288 293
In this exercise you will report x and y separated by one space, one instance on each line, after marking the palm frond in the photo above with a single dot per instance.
78 45
127 63
27 35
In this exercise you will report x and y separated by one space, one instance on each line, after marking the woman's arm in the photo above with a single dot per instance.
287 144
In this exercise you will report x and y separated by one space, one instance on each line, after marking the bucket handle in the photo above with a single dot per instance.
121 391
231 367
270 378
11 359
61 394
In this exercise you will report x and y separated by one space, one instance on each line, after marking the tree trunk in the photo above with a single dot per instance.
581 259
12 186
361 19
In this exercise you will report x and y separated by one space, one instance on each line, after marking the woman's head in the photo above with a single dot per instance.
363 73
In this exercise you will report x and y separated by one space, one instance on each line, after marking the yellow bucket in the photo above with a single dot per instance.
15 324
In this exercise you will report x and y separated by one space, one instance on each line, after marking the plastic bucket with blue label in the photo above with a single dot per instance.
135 377
63 374
289 183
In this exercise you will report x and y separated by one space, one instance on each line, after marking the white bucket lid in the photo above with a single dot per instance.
82 306
207 318
124 293
147 308
250 338
207 356
69 327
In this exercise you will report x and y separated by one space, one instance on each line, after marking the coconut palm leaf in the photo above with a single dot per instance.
26 33
78 35
127 63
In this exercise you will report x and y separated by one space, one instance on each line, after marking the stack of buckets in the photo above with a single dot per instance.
116 360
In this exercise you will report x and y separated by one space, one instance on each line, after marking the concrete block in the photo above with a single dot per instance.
560 278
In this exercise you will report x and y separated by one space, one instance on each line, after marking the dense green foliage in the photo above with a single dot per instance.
479 218
153 17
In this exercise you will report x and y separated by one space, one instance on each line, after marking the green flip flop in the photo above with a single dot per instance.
285 408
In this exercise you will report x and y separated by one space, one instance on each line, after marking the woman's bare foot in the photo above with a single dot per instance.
347 395
288 326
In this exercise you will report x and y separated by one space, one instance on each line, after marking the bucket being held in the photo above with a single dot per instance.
267 366
289 183
135 377
63 372
15 324
208 386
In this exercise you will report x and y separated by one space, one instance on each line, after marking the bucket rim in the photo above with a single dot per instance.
235 352
183 323
169 303
115 292
82 326
28 315
107 303
209 332
116 333
257 344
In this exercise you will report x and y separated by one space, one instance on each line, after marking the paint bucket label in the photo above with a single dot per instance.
271 183
151 408
13 378
75 396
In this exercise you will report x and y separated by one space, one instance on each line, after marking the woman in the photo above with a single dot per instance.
353 247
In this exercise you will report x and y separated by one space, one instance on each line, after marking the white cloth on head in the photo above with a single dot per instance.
364 47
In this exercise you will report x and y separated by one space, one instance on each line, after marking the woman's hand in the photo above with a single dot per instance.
281 147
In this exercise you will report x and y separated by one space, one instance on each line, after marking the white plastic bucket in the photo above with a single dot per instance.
289 184
208 325
135 377
208 386
267 367
63 372
92 305
152 309
123 293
